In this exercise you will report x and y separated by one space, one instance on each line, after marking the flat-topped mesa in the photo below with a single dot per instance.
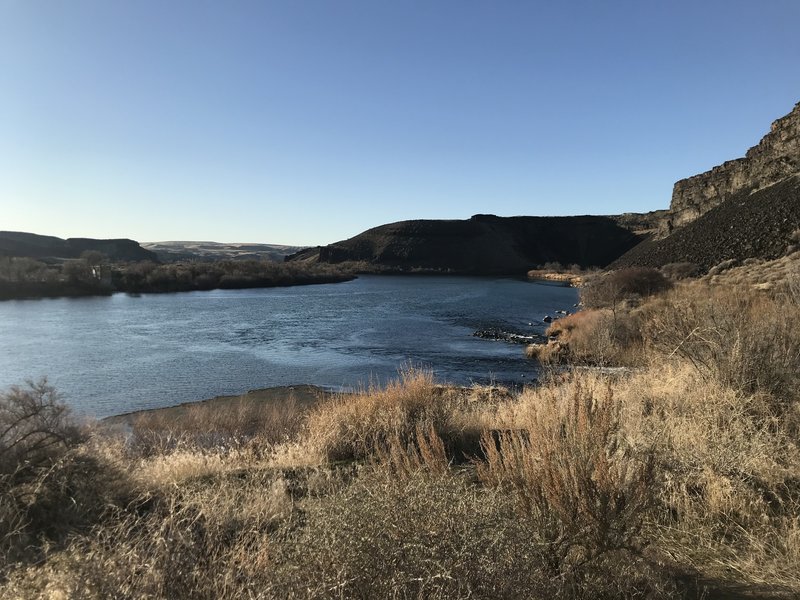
483 244
776 157
20 243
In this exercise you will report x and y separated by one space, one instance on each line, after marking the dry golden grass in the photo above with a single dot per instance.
403 458
747 339
179 547
601 337
239 422
771 275
352 426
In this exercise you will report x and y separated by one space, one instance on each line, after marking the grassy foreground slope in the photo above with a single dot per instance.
677 478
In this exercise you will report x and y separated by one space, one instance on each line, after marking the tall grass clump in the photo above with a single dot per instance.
728 497
601 337
354 426
237 424
745 338
564 458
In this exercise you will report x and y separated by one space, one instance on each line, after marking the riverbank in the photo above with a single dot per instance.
33 291
556 277
304 396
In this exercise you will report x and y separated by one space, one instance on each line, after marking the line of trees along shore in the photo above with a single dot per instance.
93 275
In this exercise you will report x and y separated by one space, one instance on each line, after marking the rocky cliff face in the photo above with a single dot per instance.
760 224
776 157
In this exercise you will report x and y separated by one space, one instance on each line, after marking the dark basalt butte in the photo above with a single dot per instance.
484 244
18 243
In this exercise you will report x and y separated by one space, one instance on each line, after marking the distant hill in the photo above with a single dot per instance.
211 251
18 243
483 244
744 208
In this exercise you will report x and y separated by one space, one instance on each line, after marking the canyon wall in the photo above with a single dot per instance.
776 157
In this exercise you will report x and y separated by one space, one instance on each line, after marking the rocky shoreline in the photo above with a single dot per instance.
498 334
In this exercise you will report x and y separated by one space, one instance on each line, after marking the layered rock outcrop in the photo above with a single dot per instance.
776 157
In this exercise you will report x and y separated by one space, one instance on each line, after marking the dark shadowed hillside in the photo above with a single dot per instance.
18 243
484 244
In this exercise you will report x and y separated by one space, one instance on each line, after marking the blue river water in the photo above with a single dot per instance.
109 355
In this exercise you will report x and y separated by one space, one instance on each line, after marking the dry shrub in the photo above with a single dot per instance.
35 429
731 476
425 535
565 461
729 496
746 339
549 353
425 451
634 283
352 426
50 486
430 536
417 537
723 266
793 287
699 427
601 337
681 270
207 540
725 470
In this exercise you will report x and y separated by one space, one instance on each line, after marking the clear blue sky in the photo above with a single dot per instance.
306 122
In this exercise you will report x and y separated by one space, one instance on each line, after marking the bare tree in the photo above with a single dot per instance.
35 428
